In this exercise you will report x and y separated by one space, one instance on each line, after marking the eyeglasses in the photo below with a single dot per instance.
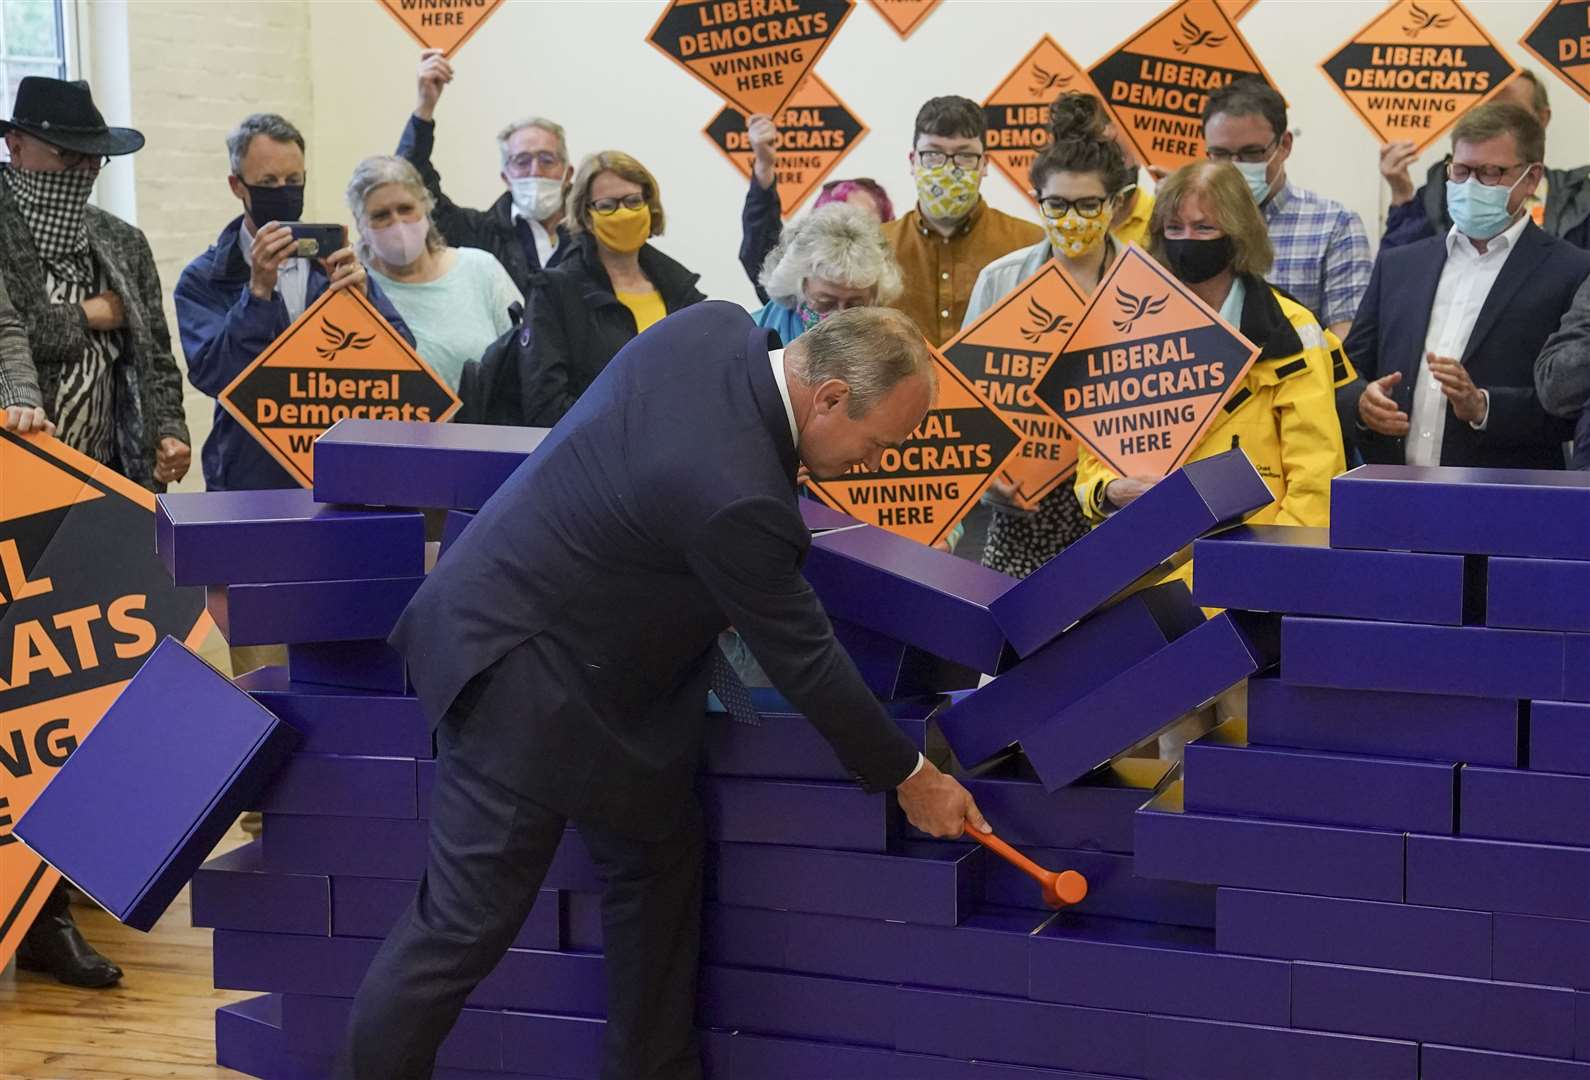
610 206
1248 155
544 160
71 160
966 160
1089 206
1489 175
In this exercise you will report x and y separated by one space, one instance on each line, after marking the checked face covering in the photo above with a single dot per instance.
947 192
53 205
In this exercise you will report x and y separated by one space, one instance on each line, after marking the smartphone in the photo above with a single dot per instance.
318 241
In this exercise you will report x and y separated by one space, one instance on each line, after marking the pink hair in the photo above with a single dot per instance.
840 191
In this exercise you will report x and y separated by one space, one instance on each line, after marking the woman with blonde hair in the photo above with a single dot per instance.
833 259
611 287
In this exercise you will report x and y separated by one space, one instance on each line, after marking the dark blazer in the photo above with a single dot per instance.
657 513
1536 285
577 325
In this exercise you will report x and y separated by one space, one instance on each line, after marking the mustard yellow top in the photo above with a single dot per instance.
1135 227
647 307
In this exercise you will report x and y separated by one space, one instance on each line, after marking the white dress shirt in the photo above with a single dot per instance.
292 280
1466 280
546 239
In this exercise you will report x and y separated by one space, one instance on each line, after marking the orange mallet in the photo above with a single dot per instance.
1060 889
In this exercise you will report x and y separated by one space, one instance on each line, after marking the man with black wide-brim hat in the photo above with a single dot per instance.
101 369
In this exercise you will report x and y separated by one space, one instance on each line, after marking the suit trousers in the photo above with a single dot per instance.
490 847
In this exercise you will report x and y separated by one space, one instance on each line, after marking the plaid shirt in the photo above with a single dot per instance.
1321 253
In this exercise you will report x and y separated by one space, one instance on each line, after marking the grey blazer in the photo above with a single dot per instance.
19 381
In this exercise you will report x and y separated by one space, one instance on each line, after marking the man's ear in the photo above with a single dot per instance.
235 182
831 395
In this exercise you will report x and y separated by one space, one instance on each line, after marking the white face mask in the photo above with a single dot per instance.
399 243
537 197
1257 175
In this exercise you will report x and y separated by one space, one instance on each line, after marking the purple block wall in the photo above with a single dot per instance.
334 720
1537 594
1115 889
351 665
801 1059
233 892
805 1006
249 1039
797 813
1559 737
1458 1063
557 1045
1097 812
318 1026
371 907
1494 875
1549 952
1521 804
393 463
300 611
344 786
1576 667
932 884
352 847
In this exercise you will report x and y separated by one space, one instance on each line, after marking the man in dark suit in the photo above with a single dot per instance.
1448 332
567 643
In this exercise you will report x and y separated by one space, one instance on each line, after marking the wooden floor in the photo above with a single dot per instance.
159 1023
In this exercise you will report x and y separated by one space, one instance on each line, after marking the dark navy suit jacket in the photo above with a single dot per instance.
1535 286
659 511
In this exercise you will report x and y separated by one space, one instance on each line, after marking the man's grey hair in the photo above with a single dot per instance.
552 129
377 172
268 124
838 243
873 349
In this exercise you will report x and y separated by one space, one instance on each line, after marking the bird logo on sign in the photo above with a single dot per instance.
1043 80
1044 322
1422 20
341 340
1136 307
1194 36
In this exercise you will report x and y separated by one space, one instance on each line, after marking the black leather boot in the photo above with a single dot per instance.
54 946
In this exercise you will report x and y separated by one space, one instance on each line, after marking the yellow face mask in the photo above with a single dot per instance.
1073 235
623 230
946 193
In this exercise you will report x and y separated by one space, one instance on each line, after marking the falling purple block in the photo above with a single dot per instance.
1293 570
931 884
797 813
341 721
1459 1063
437 466
1537 594
1429 727
1531 513
1043 686
343 786
174 760
344 846
298 611
1150 696
1357 864
1357 655
804 1006
233 892
908 591
371 907
1096 812
820 518
1488 1015
893 669
351 665
1559 737
249 1040
1546 952
1520 804
564 1046
254 537
1493 875
1131 545
1145 967
1224 775
1441 941
318 1026
786 745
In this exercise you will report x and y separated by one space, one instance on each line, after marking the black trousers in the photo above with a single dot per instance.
489 851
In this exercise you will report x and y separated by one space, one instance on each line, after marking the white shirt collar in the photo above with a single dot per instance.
1505 240
779 378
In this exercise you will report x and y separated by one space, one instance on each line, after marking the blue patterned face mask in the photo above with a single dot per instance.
809 316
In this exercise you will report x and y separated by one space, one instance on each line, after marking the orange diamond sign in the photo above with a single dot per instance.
1004 354
1018 110
341 359
1417 67
1235 9
1561 39
441 26
83 600
1157 82
905 15
1144 373
924 487
752 54
815 130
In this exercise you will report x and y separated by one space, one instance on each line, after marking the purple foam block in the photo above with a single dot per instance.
1144 967
1520 804
318 1026
340 721
174 760
1441 941
1581 1010
394 463
1547 952
1459 1063
757 937
296 611
923 1067
908 591
1576 667
1475 660
370 907
1493 875
288 963
564 1046
1149 697
984 722
820 518
342 786
249 1040
800 1059
1532 513
351 665
536 980
1433 1008
582 921
1130 545
233 892
805 1006
1115 889
234 537
932 884
797 813
1293 570
893 669
1096 812
1224 775
425 787
1357 864
1537 594
1431 727
1559 737
453 526
1137 1044
343 846
785 745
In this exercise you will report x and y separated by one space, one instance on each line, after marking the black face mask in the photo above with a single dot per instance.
268 204
1195 261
